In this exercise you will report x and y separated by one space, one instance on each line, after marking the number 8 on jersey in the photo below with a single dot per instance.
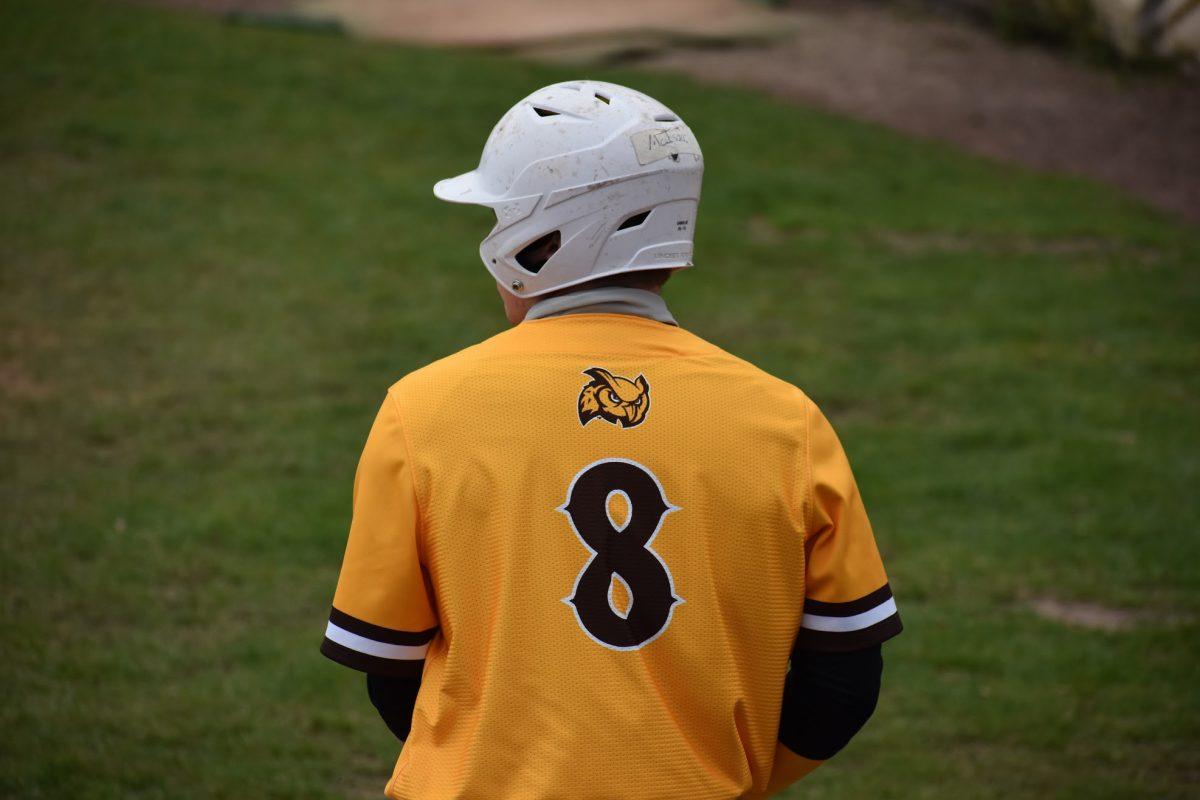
622 552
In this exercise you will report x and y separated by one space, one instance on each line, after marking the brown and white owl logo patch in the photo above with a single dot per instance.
614 399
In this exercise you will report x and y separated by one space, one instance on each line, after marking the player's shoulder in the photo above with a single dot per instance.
750 376
450 370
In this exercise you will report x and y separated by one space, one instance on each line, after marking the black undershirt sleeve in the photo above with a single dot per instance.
827 699
394 699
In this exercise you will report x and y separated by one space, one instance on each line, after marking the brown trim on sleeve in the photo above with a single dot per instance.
842 642
390 667
378 633
849 608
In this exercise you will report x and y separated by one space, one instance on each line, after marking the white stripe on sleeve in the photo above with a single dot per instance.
406 652
866 619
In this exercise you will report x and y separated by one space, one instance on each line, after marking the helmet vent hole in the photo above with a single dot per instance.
545 112
666 118
534 255
603 98
634 221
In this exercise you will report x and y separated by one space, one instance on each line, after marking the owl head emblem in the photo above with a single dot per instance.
613 399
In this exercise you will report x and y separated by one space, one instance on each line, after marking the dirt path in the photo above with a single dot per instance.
513 22
947 80
924 75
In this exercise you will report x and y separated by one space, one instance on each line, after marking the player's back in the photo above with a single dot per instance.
611 516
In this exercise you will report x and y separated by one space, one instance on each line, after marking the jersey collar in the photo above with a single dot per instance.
604 300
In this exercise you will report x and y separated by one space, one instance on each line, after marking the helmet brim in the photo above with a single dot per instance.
465 188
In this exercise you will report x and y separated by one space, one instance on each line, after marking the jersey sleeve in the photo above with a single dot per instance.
383 616
848 603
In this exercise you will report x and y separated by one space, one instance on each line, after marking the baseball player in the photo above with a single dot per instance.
585 552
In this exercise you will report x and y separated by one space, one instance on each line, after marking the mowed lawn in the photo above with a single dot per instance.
218 247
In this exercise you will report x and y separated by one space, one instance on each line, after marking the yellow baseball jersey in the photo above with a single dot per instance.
598 538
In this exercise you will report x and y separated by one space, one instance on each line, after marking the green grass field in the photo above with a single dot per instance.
218 247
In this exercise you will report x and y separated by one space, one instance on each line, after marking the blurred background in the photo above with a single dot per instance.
970 229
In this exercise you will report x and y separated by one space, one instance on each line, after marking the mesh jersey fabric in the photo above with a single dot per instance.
598 538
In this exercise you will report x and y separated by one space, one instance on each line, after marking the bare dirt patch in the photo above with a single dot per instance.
17 384
519 22
1094 616
1085 615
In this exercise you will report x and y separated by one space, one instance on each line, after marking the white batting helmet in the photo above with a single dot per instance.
587 179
